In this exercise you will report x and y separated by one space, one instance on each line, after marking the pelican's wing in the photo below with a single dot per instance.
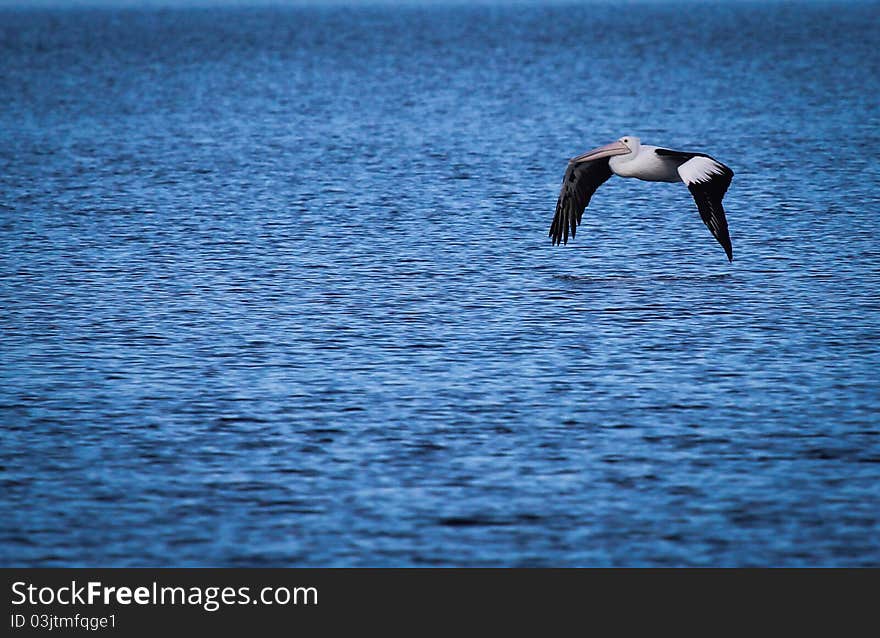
708 180
578 185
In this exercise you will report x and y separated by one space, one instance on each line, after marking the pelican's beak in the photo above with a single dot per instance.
615 148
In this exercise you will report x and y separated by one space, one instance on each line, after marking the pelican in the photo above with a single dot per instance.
706 178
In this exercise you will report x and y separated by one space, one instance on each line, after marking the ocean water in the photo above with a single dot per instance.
276 288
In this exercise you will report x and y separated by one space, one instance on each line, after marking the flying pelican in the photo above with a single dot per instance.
706 178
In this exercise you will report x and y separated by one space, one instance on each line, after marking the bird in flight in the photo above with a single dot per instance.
706 178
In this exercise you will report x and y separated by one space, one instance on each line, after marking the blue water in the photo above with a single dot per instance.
276 288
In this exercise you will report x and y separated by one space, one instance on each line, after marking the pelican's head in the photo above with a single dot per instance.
631 142
623 146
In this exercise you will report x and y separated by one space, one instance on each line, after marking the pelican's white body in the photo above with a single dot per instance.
634 159
643 163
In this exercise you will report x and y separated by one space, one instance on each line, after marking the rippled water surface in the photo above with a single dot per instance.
277 288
